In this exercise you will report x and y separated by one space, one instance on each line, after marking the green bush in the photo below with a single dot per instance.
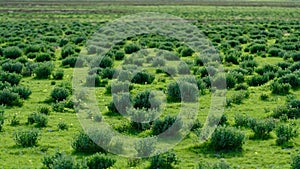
12 67
183 68
295 161
131 48
121 102
143 78
108 73
40 120
2 118
164 126
262 128
72 61
243 120
158 61
11 78
42 57
22 91
296 56
170 70
125 75
147 100
258 48
14 120
9 98
12 52
67 50
58 74
280 88
106 62
93 80
26 138
59 93
84 144
140 118
99 160
285 133
62 126
182 91
286 111
43 70
59 161
241 86
145 146
44 110
164 161
291 79
227 138
186 52
119 87
119 55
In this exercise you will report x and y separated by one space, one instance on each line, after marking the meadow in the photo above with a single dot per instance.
253 46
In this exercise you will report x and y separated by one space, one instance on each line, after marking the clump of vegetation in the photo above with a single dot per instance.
62 126
59 93
59 160
12 52
285 133
2 118
145 146
26 138
40 120
43 70
143 78
99 160
164 160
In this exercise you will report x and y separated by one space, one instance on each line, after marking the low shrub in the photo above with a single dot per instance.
131 48
291 79
84 144
93 80
241 86
106 62
157 61
296 56
186 52
140 118
99 160
26 138
43 70
147 100
59 93
67 50
170 70
11 78
62 126
2 118
295 161
42 57
72 61
118 87
262 128
59 160
227 138
9 98
243 120
145 146
58 74
40 120
168 126
280 88
164 160
183 68
121 102
44 110
22 91
143 78
12 52
285 133
108 73
12 67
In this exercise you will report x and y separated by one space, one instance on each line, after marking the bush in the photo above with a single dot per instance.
12 52
182 91
72 61
258 48
84 144
42 57
120 104
145 146
169 126
67 50
296 56
106 62
59 161
275 51
243 121
280 88
59 93
165 160
11 78
257 80
131 48
39 119
44 110
43 70
230 81
22 91
125 75
241 86
59 74
186 52
285 133
2 118
108 73
220 81
99 160
157 61
147 100
264 96
295 161
26 138
291 79
93 80
262 128
12 67
286 111
227 138
143 78
183 68
9 98
119 55
62 126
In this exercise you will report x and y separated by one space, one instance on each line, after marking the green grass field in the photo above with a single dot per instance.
234 28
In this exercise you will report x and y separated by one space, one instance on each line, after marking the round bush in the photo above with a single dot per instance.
9 98
120 104
131 48
12 52
59 74
186 52
22 91
296 56
67 50
11 78
165 160
106 62
280 88
119 55
26 138
43 70
143 78
59 93
12 67
147 100
285 133
42 57
93 80
164 126
295 161
227 138
99 160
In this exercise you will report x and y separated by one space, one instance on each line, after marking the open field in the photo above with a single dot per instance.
256 43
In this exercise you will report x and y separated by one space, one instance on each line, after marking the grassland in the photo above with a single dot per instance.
54 18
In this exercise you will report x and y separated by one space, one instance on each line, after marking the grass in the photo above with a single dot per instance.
255 153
